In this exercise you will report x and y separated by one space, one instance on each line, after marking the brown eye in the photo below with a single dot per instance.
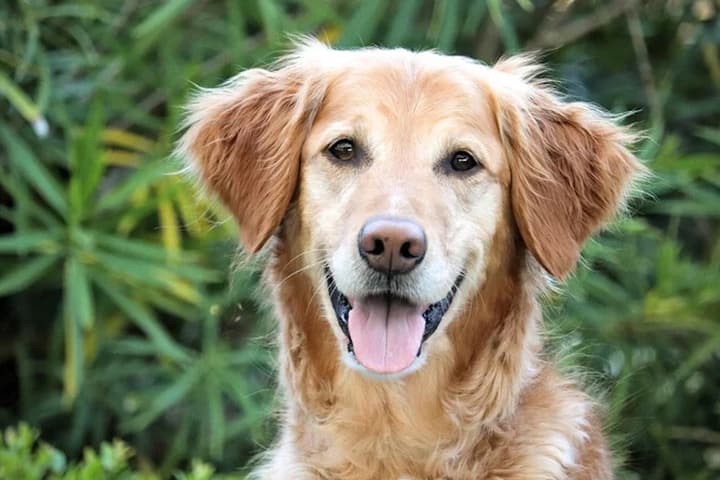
462 161
343 150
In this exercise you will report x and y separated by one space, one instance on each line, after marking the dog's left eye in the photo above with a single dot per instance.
343 150
462 161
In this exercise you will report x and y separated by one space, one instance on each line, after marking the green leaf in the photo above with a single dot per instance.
20 243
526 5
688 208
216 420
161 18
236 27
403 23
710 134
26 210
271 16
249 355
700 354
507 32
25 162
139 249
474 16
143 319
29 110
697 164
363 23
118 197
78 294
86 165
149 274
133 347
449 24
165 399
27 272
73 368
76 10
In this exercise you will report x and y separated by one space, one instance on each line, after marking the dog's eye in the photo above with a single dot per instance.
343 149
462 161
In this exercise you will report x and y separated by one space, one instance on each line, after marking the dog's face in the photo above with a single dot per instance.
399 194
399 167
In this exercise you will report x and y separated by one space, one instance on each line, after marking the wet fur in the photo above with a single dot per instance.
486 403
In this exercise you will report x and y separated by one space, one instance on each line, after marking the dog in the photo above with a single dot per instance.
415 206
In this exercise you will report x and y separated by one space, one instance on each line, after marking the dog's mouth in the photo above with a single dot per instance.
386 332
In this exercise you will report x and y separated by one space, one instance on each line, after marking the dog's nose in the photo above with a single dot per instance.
392 245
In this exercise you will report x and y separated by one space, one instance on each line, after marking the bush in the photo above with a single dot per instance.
23 457
120 318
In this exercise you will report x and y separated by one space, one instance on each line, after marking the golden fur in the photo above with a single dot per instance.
486 403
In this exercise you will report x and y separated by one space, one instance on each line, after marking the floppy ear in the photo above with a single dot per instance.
570 169
244 139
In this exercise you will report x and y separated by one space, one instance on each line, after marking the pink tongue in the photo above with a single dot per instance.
386 336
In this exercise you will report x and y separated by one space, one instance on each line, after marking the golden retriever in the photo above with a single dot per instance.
415 205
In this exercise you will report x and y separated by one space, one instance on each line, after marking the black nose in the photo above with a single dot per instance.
392 245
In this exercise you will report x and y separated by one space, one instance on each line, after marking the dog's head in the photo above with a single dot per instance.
398 169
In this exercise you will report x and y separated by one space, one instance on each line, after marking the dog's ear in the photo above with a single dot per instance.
570 167
244 140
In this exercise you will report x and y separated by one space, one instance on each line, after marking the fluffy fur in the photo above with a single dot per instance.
482 402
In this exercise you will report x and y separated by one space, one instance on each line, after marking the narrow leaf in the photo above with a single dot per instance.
216 423
449 25
25 162
507 33
361 27
169 227
78 293
86 163
144 320
74 358
23 242
270 15
165 399
27 272
119 197
403 23
161 18
138 249
24 105
125 139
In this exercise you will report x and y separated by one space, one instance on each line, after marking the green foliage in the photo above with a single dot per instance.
120 318
22 457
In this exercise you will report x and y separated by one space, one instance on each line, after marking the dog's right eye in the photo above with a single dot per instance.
343 150
462 161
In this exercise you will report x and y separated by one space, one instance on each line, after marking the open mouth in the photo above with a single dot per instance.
386 332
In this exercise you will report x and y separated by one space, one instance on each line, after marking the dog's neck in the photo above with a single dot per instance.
484 359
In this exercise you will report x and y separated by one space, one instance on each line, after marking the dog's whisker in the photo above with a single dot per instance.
321 250
299 271
317 290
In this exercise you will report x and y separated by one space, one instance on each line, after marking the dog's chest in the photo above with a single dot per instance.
378 439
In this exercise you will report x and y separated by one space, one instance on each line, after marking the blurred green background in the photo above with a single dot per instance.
120 314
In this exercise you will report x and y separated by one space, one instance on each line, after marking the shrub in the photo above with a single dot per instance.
120 319
23 457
